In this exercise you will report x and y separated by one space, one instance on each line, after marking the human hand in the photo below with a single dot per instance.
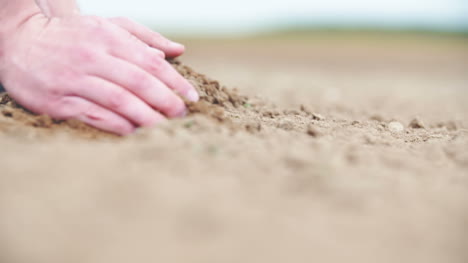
108 73
153 39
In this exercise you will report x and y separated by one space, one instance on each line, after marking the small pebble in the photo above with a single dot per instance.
416 124
376 118
313 132
396 127
305 109
317 117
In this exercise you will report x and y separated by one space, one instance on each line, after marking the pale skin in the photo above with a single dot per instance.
109 73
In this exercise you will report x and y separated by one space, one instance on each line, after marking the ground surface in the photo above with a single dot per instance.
335 148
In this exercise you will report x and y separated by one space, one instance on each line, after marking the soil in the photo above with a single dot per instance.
217 102
353 154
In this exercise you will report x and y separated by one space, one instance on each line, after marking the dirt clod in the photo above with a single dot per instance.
416 124
396 127
313 132
317 117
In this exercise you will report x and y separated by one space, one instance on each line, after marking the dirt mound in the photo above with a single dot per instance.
217 102
215 99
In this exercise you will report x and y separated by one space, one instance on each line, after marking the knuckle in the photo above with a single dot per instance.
97 21
67 78
85 55
94 23
63 108
55 91
117 99
123 20
156 63
139 81
100 29
109 39
91 112
157 53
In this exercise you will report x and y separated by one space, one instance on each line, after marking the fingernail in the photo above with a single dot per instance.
192 95
176 45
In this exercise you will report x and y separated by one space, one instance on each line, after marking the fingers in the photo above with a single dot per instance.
135 52
118 100
160 69
153 39
142 84
71 107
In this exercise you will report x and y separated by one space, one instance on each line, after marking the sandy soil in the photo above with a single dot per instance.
335 149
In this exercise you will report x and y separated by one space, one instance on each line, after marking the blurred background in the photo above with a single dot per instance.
250 16
348 56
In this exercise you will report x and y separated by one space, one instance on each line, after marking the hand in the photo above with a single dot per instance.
108 73
148 36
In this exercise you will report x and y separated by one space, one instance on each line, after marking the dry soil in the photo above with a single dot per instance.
333 149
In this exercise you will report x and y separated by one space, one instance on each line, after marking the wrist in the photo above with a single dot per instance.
12 15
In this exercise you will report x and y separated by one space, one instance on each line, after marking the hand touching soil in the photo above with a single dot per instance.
109 73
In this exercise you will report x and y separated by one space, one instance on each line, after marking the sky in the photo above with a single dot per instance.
218 16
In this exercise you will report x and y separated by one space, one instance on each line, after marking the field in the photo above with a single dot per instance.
336 147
